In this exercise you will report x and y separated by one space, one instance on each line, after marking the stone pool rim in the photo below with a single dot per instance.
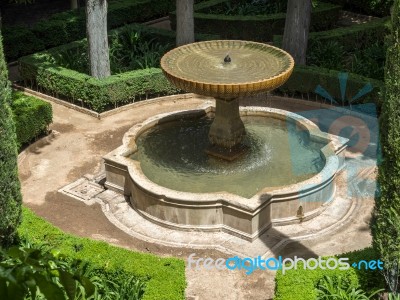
243 217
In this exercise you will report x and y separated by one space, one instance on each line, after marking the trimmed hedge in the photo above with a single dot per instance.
255 28
301 284
10 194
165 277
99 95
32 117
385 224
379 8
358 36
358 49
305 80
69 26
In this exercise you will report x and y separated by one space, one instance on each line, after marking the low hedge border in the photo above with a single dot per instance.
32 117
165 277
353 37
255 28
69 26
99 95
378 8
304 81
300 284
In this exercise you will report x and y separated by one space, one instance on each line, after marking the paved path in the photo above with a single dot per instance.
76 147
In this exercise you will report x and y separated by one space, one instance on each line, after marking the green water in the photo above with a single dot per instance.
172 155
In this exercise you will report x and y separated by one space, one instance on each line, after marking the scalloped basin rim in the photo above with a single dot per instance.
282 69
334 145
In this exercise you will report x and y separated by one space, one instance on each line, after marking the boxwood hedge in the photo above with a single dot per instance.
305 80
378 8
32 117
301 284
255 28
352 37
98 95
69 26
165 277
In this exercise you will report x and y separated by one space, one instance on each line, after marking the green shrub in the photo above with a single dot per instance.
248 8
356 36
368 62
165 277
40 70
10 195
379 8
305 80
385 224
69 26
369 280
32 117
302 284
30 272
338 289
129 50
255 28
359 49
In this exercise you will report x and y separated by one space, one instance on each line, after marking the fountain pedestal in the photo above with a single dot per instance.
227 130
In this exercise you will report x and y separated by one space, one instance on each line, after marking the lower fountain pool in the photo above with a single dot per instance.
287 175
279 154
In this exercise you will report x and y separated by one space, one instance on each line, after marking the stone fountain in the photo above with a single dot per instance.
248 179
227 70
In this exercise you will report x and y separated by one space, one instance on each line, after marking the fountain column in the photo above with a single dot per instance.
227 130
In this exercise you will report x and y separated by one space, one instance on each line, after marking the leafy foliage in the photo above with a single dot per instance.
249 8
129 50
385 224
164 277
378 8
30 272
305 79
40 71
368 62
303 284
69 26
336 288
32 117
359 49
260 27
10 195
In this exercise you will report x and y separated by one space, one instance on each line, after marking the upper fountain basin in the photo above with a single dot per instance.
253 68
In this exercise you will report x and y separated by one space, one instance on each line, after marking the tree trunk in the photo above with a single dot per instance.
184 22
96 29
297 27
74 4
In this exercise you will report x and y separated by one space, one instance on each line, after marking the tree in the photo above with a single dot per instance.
297 27
385 224
10 194
96 30
74 4
184 22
